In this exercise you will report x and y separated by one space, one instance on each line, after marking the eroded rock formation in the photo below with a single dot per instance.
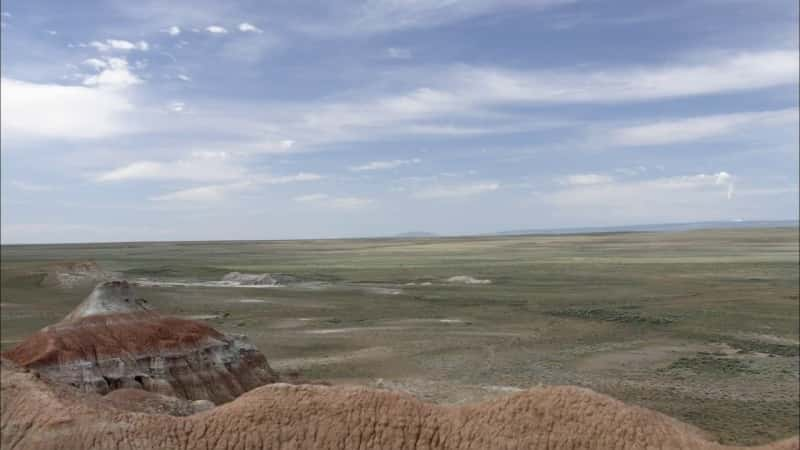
258 279
40 415
113 340
74 274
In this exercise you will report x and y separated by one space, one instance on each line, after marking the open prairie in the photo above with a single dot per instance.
701 325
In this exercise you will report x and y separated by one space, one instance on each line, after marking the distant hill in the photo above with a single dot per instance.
416 234
660 227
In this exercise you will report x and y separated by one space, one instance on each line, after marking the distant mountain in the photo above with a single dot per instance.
416 234
661 227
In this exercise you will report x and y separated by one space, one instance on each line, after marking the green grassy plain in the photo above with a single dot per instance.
701 325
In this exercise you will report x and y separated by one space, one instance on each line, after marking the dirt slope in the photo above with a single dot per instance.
40 415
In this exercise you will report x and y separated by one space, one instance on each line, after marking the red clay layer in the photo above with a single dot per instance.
107 336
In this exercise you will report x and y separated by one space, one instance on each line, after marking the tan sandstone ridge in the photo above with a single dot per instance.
37 414
114 340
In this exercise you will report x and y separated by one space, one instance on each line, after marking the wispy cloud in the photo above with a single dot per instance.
245 27
585 179
398 53
119 44
174 30
327 201
201 194
198 166
216 29
454 191
385 165
177 106
302 176
251 48
467 100
640 199
698 128
378 16
730 73
220 191
31 187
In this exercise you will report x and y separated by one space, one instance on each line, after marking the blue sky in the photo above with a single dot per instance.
155 120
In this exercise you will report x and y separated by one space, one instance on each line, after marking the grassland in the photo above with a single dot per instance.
702 325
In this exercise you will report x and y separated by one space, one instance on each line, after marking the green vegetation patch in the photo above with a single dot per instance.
770 348
614 315
711 363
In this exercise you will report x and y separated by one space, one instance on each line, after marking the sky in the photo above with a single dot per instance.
203 120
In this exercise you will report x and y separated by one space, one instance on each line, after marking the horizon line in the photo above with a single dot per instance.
571 230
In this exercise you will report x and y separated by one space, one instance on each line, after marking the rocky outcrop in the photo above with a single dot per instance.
257 279
39 415
466 279
138 400
74 274
114 340
250 279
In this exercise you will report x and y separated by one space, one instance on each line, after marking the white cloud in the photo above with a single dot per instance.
216 192
384 165
199 166
697 128
585 179
95 63
183 77
201 194
398 53
223 173
689 197
463 100
311 198
30 187
119 44
463 190
340 203
52 111
376 16
743 71
467 98
137 170
216 29
631 171
174 30
177 106
251 49
349 202
245 27
115 75
725 179
302 176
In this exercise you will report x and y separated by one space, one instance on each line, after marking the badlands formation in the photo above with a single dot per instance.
113 340
114 374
